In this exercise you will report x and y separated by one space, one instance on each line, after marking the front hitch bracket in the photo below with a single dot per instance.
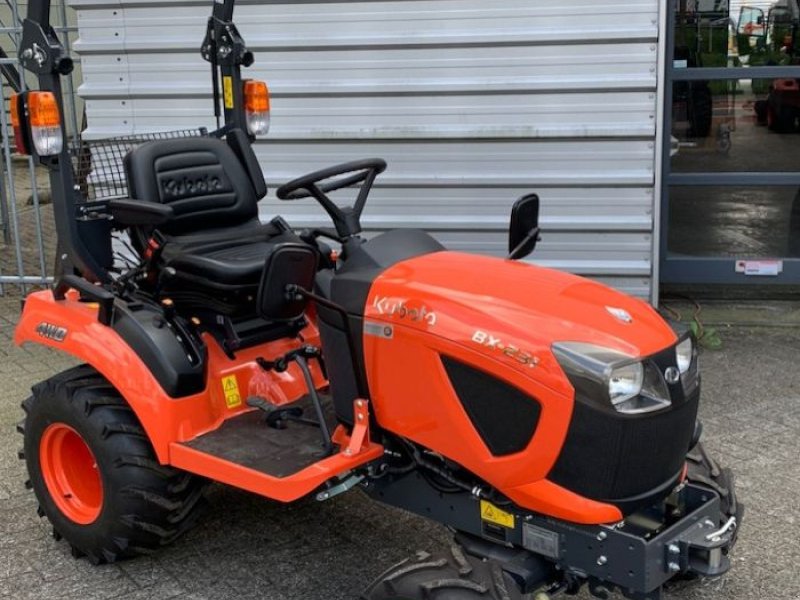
687 534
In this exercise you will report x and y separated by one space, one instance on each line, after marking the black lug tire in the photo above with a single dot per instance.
760 108
701 110
457 576
145 505
704 470
794 228
780 119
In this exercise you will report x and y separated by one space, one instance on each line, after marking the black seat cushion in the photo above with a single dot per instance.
202 179
224 263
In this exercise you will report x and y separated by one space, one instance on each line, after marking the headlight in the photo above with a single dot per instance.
684 354
625 382
613 378
686 359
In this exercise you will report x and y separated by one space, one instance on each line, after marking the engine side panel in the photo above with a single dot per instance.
499 318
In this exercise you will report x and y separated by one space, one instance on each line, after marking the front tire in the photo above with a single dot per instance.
95 473
457 576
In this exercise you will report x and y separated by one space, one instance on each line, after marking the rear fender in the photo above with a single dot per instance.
72 326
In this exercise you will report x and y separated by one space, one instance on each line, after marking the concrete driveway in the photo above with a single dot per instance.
246 547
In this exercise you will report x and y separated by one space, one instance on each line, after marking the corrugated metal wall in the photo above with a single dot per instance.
473 104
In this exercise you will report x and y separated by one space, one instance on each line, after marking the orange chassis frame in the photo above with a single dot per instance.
168 422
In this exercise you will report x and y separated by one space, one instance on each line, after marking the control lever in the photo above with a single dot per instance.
276 417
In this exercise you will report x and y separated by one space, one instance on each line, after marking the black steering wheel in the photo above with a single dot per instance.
319 183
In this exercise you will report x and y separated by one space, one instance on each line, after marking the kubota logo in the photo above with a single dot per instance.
393 307
51 332
188 186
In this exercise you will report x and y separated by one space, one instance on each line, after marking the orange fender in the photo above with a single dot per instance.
71 326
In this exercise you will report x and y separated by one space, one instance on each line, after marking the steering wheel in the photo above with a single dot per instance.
319 183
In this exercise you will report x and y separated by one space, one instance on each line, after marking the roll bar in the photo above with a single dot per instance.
225 49
42 53
83 240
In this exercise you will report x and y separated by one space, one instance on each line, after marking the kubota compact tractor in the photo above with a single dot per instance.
546 419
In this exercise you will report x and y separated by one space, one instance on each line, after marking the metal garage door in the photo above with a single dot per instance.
473 104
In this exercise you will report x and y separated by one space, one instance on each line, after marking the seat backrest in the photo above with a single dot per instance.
288 264
203 179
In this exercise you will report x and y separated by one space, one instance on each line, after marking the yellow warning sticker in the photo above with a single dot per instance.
227 91
230 387
492 514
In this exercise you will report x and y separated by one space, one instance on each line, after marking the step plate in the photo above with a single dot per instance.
248 441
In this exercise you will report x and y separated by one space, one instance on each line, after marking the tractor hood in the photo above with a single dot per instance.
513 310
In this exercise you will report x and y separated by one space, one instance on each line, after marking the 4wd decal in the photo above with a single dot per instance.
51 332
394 307
487 340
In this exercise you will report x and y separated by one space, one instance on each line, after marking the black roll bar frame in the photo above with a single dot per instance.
42 53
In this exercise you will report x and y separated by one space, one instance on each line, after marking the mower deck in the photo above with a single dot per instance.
248 441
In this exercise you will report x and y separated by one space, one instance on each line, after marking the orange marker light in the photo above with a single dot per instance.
45 122
43 110
256 106
39 112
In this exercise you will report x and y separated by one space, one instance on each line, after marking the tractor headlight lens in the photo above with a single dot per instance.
684 354
625 382
612 378
653 393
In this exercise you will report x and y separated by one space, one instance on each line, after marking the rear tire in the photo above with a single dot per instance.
701 110
760 109
135 505
779 118
457 576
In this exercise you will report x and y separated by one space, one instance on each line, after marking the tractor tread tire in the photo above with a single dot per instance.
779 118
146 505
457 576
705 471
701 110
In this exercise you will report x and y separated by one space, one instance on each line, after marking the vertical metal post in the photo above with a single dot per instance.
73 110
37 213
12 193
666 158
4 199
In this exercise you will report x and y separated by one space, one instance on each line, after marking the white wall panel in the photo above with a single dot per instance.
473 104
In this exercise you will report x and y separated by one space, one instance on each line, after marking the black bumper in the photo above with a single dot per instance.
689 533
639 555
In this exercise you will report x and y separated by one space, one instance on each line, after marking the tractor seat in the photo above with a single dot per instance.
236 260
215 247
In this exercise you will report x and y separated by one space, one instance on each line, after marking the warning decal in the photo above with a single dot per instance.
230 387
492 514
227 91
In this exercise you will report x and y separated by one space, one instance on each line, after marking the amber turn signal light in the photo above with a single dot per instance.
256 106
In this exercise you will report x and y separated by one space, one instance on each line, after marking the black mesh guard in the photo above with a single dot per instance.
504 416
98 164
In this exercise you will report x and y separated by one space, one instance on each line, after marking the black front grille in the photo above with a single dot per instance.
504 416
612 457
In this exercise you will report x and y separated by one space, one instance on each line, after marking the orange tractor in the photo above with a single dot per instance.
548 420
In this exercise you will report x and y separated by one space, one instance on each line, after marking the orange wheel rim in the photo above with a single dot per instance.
70 473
